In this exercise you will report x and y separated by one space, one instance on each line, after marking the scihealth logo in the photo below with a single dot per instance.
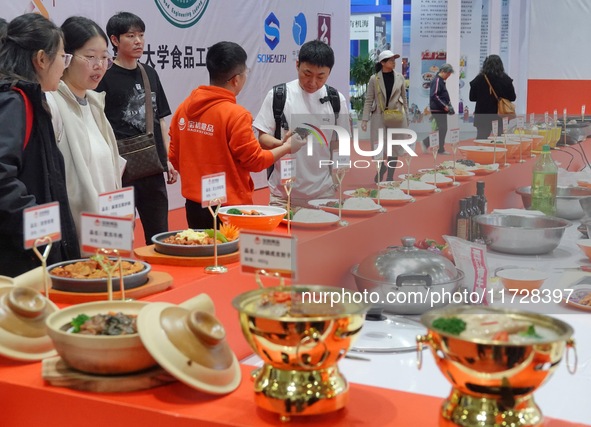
299 29
182 13
272 35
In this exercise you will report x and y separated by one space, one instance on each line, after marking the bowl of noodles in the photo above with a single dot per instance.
300 332
494 358
87 275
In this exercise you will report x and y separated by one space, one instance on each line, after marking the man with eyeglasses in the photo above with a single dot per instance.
125 108
210 133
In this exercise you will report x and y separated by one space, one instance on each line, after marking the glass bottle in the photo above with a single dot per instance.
463 221
544 181
469 211
475 229
482 202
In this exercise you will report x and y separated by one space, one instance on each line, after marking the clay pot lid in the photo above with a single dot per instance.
190 345
23 334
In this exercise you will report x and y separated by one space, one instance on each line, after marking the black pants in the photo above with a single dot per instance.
151 202
484 129
441 120
197 217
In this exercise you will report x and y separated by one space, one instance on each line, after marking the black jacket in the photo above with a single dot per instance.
29 177
438 95
486 103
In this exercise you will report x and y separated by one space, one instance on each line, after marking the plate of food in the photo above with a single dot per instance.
87 275
197 243
312 218
580 297
354 206
415 188
387 196
450 172
485 169
438 179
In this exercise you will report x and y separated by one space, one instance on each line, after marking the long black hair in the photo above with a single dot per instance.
78 30
25 36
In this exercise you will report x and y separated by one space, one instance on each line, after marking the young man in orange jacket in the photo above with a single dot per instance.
210 133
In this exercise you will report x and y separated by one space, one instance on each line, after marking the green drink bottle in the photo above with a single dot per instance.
543 186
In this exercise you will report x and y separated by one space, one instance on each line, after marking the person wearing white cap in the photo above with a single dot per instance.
386 97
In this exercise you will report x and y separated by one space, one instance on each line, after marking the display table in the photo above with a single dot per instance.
323 257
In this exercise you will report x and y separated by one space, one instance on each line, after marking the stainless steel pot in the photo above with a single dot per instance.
407 280
568 200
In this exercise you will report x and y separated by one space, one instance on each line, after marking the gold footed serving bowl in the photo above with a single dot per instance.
495 364
300 332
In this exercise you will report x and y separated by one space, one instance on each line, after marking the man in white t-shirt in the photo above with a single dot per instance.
307 105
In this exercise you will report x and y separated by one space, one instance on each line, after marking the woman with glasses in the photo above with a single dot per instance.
32 60
83 132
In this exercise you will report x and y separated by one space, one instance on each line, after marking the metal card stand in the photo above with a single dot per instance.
435 149
43 258
454 150
382 209
215 269
340 173
259 273
102 257
505 146
288 185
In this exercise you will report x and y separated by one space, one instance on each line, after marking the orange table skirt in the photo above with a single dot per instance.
27 401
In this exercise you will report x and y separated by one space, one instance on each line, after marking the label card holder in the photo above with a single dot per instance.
106 232
42 221
213 189
275 254
118 203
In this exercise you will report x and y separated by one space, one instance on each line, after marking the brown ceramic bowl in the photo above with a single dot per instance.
99 354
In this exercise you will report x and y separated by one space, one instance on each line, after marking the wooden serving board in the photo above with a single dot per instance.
57 373
148 254
158 281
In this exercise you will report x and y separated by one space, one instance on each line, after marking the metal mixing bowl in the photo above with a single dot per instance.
521 235
568 204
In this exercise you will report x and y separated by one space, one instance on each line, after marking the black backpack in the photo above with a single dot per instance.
279 103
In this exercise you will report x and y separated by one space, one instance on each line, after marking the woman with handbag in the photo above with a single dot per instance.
490 84
32 60
82 130
386 107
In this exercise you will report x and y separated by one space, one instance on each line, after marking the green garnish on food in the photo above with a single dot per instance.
451 325
530 332
219 236
373 193
78 321
234 211
288 215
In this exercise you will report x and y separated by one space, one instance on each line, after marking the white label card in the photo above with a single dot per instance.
505 124
340 162
454 136
274 253
555 116
495 128
40 222
532 119
564 115
288 169
106 232
118 203
583 111
546 117
213 189
520 122
434 139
